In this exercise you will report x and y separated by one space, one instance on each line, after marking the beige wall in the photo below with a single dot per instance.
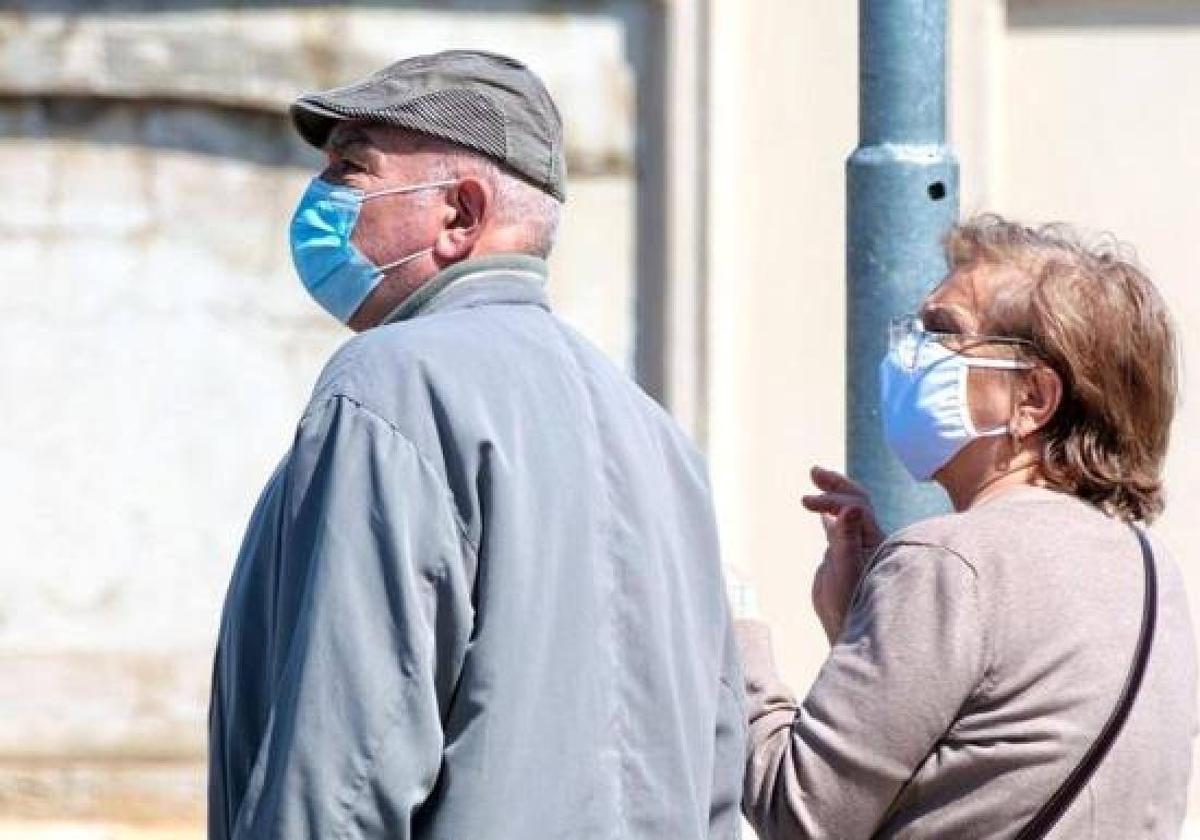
783 121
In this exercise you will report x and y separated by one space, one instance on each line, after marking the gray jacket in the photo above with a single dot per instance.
480 599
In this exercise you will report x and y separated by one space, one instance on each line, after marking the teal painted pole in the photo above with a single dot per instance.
902 197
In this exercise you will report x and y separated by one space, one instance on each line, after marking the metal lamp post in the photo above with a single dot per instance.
902 196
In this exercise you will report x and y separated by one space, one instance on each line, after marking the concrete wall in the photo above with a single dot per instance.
783 122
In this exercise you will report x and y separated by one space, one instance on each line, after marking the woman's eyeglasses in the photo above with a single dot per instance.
907 336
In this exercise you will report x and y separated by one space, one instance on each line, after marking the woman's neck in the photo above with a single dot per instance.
967 491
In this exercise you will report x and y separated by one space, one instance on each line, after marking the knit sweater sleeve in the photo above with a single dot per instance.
910 654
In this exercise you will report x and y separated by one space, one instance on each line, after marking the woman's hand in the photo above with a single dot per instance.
853 535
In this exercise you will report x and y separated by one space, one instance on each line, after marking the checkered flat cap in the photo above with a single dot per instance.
489 103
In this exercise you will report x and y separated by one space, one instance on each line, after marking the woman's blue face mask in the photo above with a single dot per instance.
335 272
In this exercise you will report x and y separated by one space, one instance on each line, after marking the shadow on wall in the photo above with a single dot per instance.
1103 13
629 10
179 71
221 131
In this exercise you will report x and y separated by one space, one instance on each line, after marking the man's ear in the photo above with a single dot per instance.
468 204
1041 395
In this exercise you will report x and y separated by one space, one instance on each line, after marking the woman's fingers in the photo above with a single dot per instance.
832 502
831 507
829 522
849 530
837 576
843 532
832 481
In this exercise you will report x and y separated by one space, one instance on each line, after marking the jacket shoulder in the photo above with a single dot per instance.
389 356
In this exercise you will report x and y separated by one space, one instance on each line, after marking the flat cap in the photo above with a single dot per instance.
482 101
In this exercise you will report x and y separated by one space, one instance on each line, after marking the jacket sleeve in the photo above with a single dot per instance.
372 616
911 654
729 753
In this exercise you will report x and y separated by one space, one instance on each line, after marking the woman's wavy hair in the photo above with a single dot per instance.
1092 315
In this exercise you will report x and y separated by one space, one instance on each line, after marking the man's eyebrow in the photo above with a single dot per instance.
347 140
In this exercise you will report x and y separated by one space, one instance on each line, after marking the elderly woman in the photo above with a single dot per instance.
978 657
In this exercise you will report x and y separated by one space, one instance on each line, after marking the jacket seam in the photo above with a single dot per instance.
425 462
358 785
731 690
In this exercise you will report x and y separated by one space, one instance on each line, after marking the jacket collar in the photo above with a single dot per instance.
494 279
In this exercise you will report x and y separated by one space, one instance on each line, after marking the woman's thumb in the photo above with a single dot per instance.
851 532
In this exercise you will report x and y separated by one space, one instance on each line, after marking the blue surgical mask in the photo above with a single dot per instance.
926 416
335 272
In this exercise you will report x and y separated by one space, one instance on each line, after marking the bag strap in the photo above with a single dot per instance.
1057 805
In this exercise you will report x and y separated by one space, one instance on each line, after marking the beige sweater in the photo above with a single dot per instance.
982 653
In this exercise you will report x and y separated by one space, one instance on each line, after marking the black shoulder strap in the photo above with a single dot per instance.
1057 804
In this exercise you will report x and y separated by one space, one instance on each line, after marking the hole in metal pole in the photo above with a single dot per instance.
937 190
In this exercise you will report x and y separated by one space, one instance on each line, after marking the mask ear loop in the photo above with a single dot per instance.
1018 367
1014 434
386 267
968 422
407 188
410 188
1027 367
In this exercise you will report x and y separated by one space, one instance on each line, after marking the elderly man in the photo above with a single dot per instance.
480 599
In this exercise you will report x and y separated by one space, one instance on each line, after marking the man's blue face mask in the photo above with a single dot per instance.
335 272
